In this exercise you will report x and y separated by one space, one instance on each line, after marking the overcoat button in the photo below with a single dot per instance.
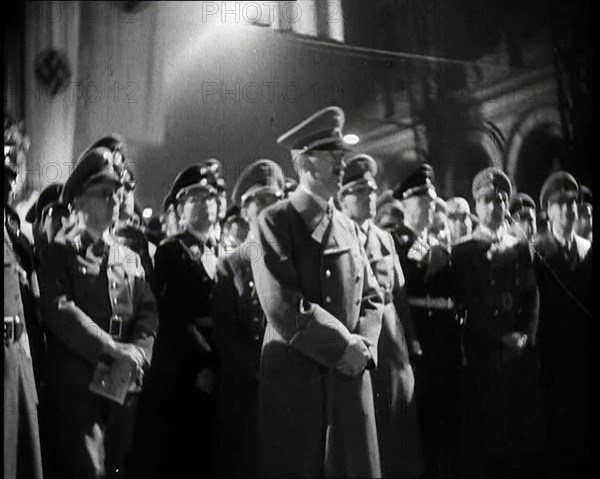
328 300
327 273
251 284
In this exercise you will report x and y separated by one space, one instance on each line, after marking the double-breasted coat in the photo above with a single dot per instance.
399 436
83 284
496 290
239 330
565 341
22 453
316 288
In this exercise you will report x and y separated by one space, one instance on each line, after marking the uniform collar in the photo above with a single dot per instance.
311 212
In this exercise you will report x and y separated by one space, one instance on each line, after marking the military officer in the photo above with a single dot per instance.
398 432
436 354
184 372
239 325
523 217
96 305
22 452
496 292
125 229
564 271
323 308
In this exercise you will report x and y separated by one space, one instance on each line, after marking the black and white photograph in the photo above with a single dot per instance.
310 238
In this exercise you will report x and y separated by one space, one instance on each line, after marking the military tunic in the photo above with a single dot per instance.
239 331
22 453
393 380
135 239
565 341
496 290
83 285
184 280
316 288
426 267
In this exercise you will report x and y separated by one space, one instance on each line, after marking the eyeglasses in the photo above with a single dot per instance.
129 186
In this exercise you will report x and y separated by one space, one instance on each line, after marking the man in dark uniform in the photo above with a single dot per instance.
22 453
436 354
323 307
239 326
98 309
399 438
496 293
125 229
184 372
564 271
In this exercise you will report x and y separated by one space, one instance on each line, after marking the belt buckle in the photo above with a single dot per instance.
115 328
9 330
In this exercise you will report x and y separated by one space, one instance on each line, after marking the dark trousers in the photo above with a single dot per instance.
94 434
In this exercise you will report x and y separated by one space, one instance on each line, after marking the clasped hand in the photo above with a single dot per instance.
355 357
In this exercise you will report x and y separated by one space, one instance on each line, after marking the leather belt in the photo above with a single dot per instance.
427 302
13 328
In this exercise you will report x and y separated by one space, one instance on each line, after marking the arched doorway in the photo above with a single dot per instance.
542 152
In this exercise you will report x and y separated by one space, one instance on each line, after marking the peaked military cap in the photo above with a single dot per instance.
93 166
262 175
559 183
418 182
359 171
520 202
491 178
49 195
321 131
116 144
195 177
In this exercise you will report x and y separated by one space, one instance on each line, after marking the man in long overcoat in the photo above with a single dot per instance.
323 308
400 448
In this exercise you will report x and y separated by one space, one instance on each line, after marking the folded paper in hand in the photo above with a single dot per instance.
112 379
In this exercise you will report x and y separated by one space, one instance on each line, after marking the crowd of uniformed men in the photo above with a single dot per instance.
317 327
